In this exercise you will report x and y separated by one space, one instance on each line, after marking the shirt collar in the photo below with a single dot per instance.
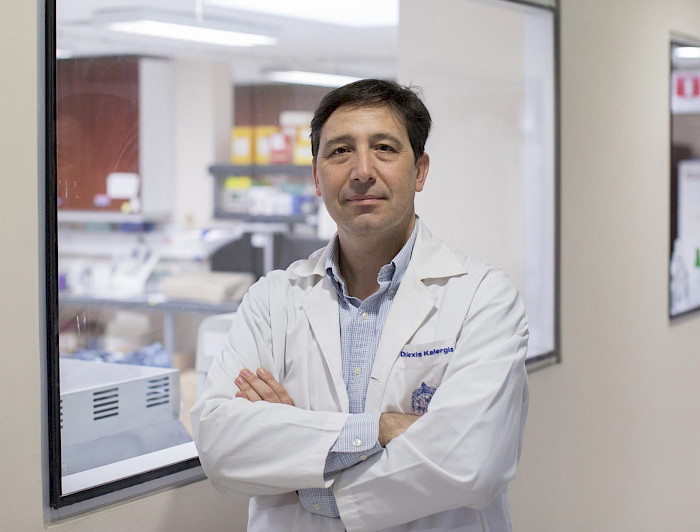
389 274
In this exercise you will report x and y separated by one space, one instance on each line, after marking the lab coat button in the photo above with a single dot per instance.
358 371
357 442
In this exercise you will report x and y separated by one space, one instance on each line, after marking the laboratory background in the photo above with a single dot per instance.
183 174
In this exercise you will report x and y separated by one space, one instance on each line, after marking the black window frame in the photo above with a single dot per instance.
188 470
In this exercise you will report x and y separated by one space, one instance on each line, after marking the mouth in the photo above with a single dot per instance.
363 200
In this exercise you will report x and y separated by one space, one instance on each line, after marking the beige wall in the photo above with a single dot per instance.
20 400
612 441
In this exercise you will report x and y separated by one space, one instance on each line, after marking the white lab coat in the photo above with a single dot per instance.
448 471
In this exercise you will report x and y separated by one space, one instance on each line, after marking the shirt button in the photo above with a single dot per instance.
365 315
392 291
363 457
357 442
317 506
358 371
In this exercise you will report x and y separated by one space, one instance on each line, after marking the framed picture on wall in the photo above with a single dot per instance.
684 252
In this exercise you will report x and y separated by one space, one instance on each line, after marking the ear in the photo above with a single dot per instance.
422 166
313 170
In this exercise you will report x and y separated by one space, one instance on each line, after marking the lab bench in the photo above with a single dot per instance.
153 303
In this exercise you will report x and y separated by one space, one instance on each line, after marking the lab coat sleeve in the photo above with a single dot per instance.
258 448
463 451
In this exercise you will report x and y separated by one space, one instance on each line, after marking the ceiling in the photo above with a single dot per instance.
307 45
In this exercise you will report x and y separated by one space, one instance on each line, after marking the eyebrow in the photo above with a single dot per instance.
341 139
349 139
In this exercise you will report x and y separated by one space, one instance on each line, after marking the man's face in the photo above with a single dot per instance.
366 173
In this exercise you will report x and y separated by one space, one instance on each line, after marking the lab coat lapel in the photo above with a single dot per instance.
321 308
411 306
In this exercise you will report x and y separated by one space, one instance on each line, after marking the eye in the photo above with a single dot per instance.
339 151
385 147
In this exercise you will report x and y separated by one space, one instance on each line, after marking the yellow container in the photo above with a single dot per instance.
302 146
261 135
242 146
238 182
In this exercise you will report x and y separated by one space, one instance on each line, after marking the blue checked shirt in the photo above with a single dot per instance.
361 326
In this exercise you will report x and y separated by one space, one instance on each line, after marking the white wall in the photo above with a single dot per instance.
474 94
485 70
204 111
612 439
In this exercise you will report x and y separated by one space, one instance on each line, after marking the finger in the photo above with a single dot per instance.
246 389
279 390
264 391
242 395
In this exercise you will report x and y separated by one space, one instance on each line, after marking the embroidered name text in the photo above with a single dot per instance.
427 352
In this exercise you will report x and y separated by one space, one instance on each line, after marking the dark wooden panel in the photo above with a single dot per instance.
261 105
97 121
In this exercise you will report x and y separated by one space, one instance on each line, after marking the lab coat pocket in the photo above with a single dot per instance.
417 374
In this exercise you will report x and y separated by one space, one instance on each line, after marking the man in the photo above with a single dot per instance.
379 384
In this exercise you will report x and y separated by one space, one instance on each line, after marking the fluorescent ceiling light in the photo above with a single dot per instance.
186 32
356 13
687 52
310 78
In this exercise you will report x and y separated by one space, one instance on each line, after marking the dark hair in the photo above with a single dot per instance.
403 101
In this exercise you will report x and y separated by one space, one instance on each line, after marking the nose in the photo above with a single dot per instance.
363 169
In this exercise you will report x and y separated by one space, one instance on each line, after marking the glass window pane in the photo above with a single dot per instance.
183 173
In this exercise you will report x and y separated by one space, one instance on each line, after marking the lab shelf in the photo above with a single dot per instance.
226 170
288 173
271 219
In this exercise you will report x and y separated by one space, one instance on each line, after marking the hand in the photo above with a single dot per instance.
392 425
261 386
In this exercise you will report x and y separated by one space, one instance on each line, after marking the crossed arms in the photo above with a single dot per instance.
262 386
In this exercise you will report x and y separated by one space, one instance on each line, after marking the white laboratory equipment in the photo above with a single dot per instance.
112 412
211 338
